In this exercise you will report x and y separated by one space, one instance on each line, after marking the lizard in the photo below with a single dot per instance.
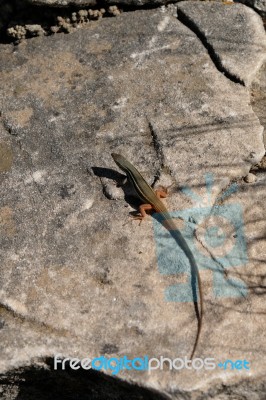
152 201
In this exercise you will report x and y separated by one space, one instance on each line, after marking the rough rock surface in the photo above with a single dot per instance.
237 53
76 278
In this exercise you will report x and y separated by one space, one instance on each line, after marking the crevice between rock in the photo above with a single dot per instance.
190 24
41 380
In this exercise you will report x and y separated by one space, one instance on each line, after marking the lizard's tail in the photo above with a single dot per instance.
195 276
198 312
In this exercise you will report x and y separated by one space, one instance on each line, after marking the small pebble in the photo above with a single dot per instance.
250 178
113 192
54 29
83 13
114 10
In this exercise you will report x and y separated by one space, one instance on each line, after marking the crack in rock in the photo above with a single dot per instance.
236 52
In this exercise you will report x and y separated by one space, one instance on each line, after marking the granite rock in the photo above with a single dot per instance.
77 278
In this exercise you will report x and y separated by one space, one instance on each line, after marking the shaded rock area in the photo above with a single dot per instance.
21 20
258 5
42 382
78 278
64 3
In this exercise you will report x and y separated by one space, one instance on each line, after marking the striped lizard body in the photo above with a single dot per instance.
152 201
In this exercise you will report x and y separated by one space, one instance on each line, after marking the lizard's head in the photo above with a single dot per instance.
120 161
